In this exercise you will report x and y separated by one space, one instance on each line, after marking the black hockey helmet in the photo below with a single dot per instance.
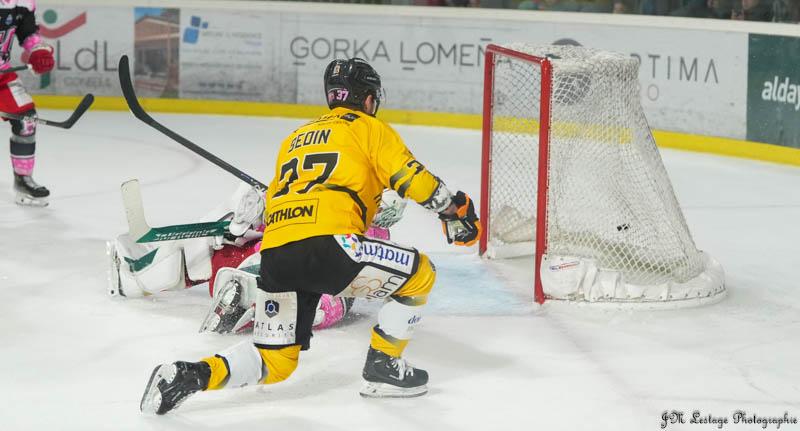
349 82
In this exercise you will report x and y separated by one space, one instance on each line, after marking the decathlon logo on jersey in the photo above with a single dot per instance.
388 256
291 213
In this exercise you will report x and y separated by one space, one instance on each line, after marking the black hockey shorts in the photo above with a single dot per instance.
339 265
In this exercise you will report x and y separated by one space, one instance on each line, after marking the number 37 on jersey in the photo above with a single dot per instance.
330 173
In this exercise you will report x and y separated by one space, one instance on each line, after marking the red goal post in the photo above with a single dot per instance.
492 51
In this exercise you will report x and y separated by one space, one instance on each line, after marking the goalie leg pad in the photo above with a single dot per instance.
137 270
231 308
157 271
243 366
197 254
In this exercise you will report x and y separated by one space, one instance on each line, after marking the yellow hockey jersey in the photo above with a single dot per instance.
330 174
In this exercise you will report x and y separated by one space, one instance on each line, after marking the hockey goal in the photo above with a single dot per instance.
571 175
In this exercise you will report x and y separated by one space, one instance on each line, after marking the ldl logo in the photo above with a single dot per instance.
192 33
271 308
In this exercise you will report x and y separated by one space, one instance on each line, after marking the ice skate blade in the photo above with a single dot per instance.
385 390
151 400
29 201
113 270
225 301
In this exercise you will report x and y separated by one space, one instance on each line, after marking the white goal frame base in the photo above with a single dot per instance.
580 280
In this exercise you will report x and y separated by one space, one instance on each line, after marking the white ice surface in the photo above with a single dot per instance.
75 359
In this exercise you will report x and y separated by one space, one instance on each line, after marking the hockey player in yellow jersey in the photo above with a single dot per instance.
328 181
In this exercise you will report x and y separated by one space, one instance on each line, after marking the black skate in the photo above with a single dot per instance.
171 384
29 193
388 377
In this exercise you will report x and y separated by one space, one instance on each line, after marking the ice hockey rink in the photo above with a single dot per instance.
74 358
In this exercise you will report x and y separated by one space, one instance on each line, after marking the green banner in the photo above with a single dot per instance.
773 93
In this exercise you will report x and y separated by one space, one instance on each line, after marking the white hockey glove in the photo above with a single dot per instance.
390 210
249 213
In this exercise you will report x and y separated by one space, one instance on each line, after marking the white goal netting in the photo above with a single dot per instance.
613 227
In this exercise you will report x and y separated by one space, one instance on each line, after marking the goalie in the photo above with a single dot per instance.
230 264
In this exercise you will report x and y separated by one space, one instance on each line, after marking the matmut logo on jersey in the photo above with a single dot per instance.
388 256
378 252
291 213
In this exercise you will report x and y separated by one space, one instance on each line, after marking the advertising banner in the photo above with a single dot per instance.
88 43
773 91
228 55
156 59
425 65
691 80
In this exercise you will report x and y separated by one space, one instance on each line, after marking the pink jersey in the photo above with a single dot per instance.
17 18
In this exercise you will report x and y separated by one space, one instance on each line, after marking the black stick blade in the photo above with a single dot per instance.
82 107
128 92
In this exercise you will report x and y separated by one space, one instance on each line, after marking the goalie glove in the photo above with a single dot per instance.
390 210
249 213
462 227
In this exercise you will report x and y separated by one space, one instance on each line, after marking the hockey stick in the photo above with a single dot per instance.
142 232
136 108
66 124
17 69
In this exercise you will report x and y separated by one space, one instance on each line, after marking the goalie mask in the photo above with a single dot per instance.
349 82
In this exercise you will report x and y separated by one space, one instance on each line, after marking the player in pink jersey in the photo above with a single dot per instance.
17 19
